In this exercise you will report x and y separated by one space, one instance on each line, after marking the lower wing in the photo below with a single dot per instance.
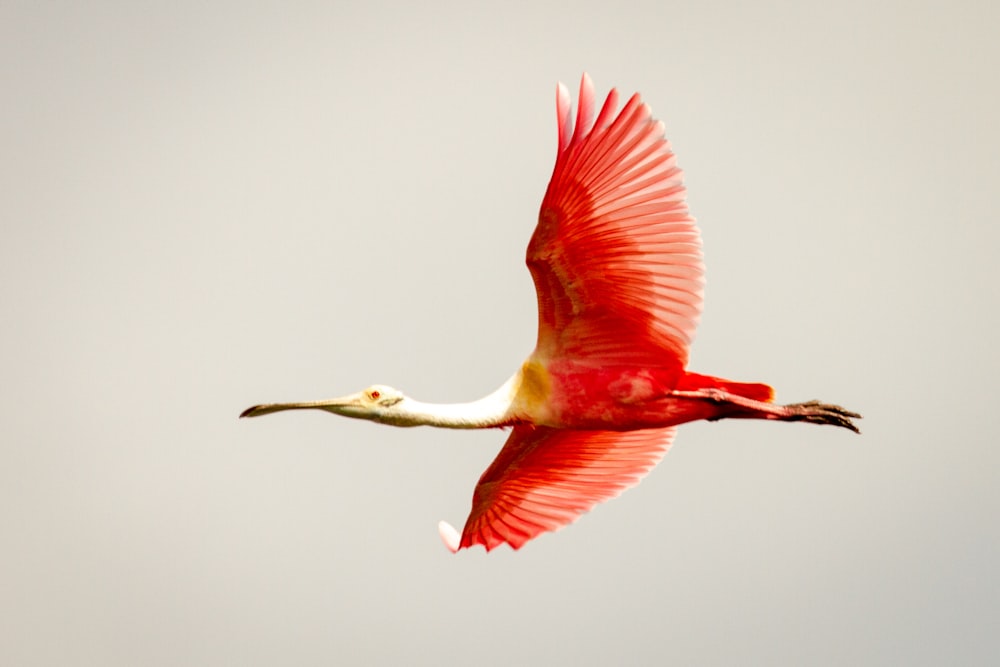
545 478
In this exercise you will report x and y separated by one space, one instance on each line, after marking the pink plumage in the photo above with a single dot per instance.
544 478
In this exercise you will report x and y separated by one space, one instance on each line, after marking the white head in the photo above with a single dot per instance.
378 403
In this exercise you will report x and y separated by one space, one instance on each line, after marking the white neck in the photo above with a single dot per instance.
489 411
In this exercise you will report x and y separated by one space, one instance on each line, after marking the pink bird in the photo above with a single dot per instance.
616 260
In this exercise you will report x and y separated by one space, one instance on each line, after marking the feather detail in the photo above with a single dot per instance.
545 478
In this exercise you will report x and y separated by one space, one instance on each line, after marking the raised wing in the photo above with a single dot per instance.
544 478
616 258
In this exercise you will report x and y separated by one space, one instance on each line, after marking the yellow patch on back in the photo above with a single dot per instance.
533 391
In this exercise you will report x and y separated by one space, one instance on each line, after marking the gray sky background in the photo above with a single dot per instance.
206 208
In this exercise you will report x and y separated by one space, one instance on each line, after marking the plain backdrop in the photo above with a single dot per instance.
205 207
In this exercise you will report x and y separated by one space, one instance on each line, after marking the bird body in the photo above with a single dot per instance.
571 394
617 266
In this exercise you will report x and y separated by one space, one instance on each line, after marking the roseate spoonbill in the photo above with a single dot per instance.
616 260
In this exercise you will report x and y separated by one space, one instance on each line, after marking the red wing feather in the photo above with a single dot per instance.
616 257
544 478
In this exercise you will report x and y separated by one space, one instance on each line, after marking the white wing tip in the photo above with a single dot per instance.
449 536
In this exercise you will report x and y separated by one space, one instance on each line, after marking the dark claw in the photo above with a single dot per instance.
815 412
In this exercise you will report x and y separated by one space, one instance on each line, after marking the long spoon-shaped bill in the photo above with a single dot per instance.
341 406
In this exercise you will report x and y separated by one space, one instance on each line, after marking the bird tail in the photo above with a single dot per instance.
753 390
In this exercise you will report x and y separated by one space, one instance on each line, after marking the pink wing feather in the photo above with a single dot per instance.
544 478
616 257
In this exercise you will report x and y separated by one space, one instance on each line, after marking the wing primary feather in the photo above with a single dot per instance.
587 151
584 108
563 103
610 105
590 163
613 173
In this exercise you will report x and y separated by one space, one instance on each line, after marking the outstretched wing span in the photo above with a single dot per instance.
544 478
616 258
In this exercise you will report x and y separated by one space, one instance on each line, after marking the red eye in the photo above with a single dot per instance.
375 394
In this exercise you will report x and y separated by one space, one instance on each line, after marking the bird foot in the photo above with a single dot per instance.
816 412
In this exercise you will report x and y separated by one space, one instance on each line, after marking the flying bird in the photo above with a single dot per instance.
617 265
